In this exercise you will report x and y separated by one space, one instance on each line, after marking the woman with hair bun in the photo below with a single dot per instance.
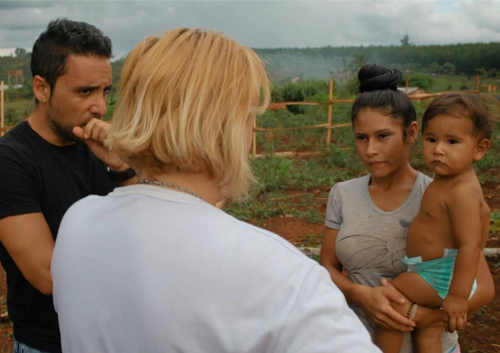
367 218
155 266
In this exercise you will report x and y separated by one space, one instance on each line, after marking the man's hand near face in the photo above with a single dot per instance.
94 134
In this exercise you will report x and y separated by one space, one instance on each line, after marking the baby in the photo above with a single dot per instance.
448 234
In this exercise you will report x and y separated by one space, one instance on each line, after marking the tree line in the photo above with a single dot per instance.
306 63
467 59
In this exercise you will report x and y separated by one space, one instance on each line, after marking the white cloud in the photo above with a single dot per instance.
266 23
485 15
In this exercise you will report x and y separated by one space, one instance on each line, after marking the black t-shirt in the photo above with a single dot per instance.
36 176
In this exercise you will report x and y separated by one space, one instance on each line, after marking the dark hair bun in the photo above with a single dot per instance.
374 77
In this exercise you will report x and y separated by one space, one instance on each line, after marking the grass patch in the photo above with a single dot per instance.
458 82
17 110
495 222
268 205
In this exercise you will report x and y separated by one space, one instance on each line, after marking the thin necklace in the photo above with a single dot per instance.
169 185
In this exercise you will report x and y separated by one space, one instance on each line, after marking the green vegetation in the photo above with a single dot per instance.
293 186
495 222
16 110
313 90
20 61
272 204
426 82
306 63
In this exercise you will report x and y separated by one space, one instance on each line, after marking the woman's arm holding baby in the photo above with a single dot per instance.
375 301
485 292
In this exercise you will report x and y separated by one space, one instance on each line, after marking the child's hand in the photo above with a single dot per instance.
455 313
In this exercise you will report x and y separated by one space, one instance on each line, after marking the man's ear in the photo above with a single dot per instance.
412 133
481 148
41 89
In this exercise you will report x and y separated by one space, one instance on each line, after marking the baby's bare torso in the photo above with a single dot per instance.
431 231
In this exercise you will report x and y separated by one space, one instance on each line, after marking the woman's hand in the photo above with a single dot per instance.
424 317
376 302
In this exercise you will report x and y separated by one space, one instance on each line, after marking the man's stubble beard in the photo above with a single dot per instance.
58 127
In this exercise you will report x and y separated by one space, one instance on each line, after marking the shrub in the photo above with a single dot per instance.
300 92
492 73
448 69
422 81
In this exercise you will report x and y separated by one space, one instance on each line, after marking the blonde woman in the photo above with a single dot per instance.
156 267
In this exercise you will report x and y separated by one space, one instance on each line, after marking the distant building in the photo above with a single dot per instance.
412 91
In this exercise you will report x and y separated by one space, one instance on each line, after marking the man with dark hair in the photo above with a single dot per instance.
45 168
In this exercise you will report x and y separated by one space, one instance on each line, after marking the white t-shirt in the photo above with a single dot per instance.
148 269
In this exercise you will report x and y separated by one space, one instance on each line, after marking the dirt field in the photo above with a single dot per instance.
483 330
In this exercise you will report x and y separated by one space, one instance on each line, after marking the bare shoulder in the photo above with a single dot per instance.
465 191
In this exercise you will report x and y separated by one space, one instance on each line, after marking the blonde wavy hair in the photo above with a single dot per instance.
186 101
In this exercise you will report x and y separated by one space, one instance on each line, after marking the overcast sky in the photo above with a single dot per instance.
265 24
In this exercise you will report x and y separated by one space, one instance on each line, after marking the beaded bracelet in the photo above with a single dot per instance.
408 313
412 311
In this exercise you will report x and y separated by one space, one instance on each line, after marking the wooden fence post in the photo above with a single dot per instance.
478 78
407 85
330 113
2 117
